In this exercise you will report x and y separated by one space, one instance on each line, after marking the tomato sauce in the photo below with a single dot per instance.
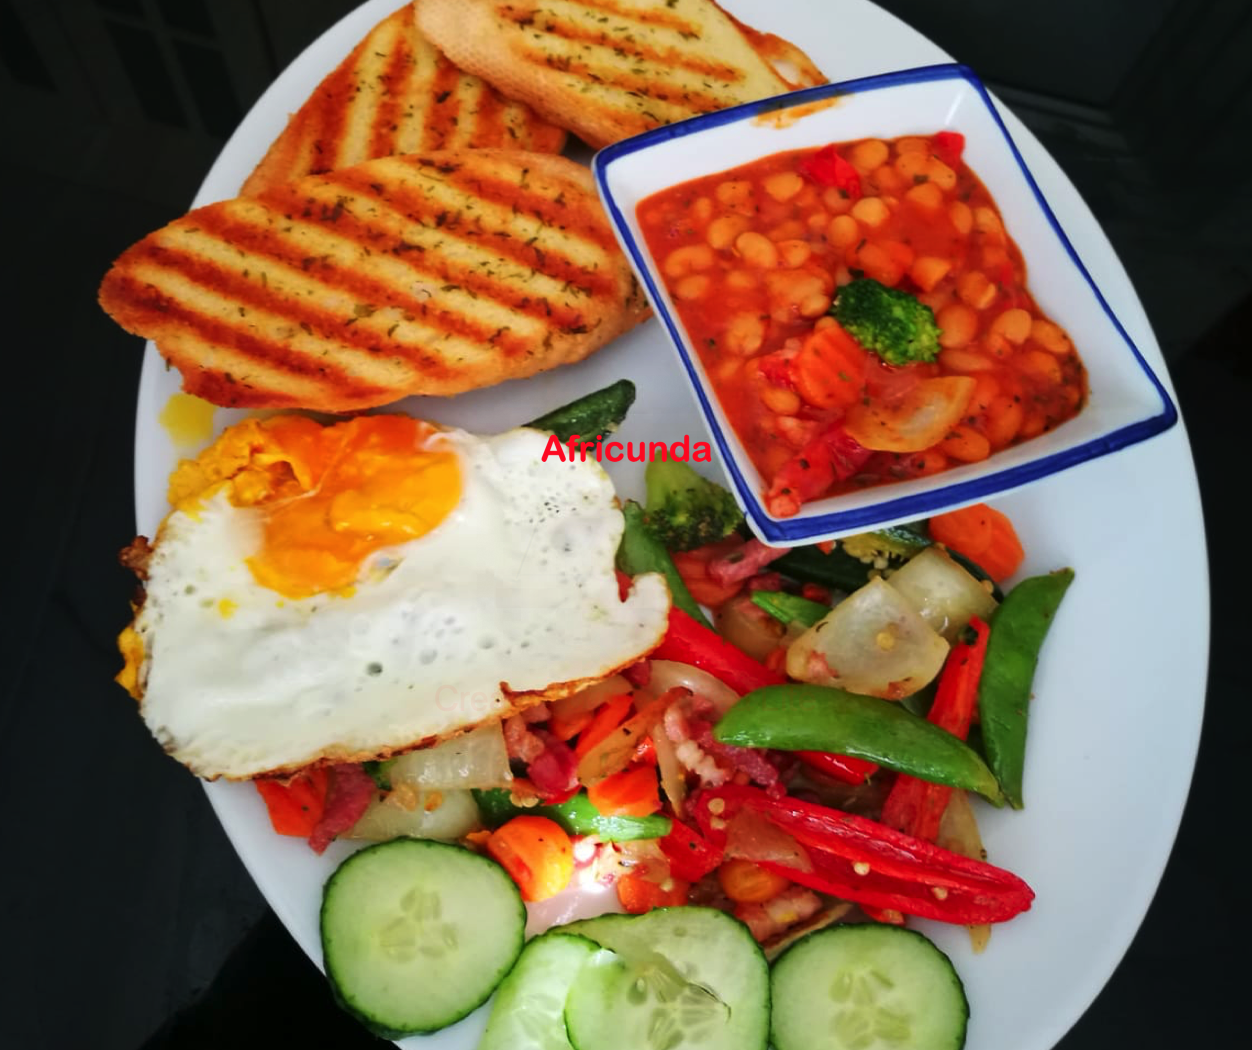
753 259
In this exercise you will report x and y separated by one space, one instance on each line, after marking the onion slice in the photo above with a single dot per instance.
755 837
477 759
666 674
920 418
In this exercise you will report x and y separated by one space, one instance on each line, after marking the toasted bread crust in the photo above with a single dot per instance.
431 273
397 93
607 69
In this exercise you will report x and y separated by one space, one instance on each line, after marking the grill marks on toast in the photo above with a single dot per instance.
396 93
419 274
610 68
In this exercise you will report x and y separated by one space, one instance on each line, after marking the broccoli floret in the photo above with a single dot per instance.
685 510
895 325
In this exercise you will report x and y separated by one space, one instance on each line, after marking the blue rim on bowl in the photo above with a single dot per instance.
887 509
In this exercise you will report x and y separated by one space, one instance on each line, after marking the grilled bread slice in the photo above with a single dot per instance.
397 93
607 69
429 273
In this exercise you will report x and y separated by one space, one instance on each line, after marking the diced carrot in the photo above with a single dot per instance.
611 714
568 728
639 895
296 807
630 793
983 535
829 370
537 854
747 883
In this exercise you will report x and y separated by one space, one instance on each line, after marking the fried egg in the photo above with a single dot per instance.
351 591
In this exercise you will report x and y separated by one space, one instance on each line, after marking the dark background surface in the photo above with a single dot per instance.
125 914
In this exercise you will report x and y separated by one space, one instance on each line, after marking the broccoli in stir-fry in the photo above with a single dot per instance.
685 510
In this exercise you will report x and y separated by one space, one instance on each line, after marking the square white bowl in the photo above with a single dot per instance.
1127 402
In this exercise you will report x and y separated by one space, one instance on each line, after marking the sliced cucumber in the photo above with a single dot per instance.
528 1012
417 934
674 979
867 987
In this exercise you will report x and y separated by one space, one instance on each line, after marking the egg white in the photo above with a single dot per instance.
514 590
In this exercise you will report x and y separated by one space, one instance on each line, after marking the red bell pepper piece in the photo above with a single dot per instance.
884 915
869 863
841 767
916 806
827 168
690 642
691 856
296 807
831 456
948 147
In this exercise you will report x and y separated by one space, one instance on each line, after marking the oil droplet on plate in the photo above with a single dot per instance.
187 419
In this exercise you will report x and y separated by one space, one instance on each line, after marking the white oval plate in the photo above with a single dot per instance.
1117 714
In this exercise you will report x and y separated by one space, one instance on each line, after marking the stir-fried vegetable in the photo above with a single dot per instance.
537 854
685 510
576 815
875 642
916 806
869 863
443 815
943 592
295 807
790 608
477 759
820 718
1017 632
642 552
982 534
593 416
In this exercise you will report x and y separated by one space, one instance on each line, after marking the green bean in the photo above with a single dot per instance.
822 718
1018 629
785 607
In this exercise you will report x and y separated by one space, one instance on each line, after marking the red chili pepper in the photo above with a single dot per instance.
948 147
869 863
691 856
842 767
916 806
827 168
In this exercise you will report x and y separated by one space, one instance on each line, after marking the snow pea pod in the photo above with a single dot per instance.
1018 629
823 718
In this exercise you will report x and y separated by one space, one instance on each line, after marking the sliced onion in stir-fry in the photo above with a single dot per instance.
590 698
943 592
754 837
748 627
673 776
477 759
616 751
958 831
873 642
668 673
454 816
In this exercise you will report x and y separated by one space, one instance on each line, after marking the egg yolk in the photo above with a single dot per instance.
330 495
